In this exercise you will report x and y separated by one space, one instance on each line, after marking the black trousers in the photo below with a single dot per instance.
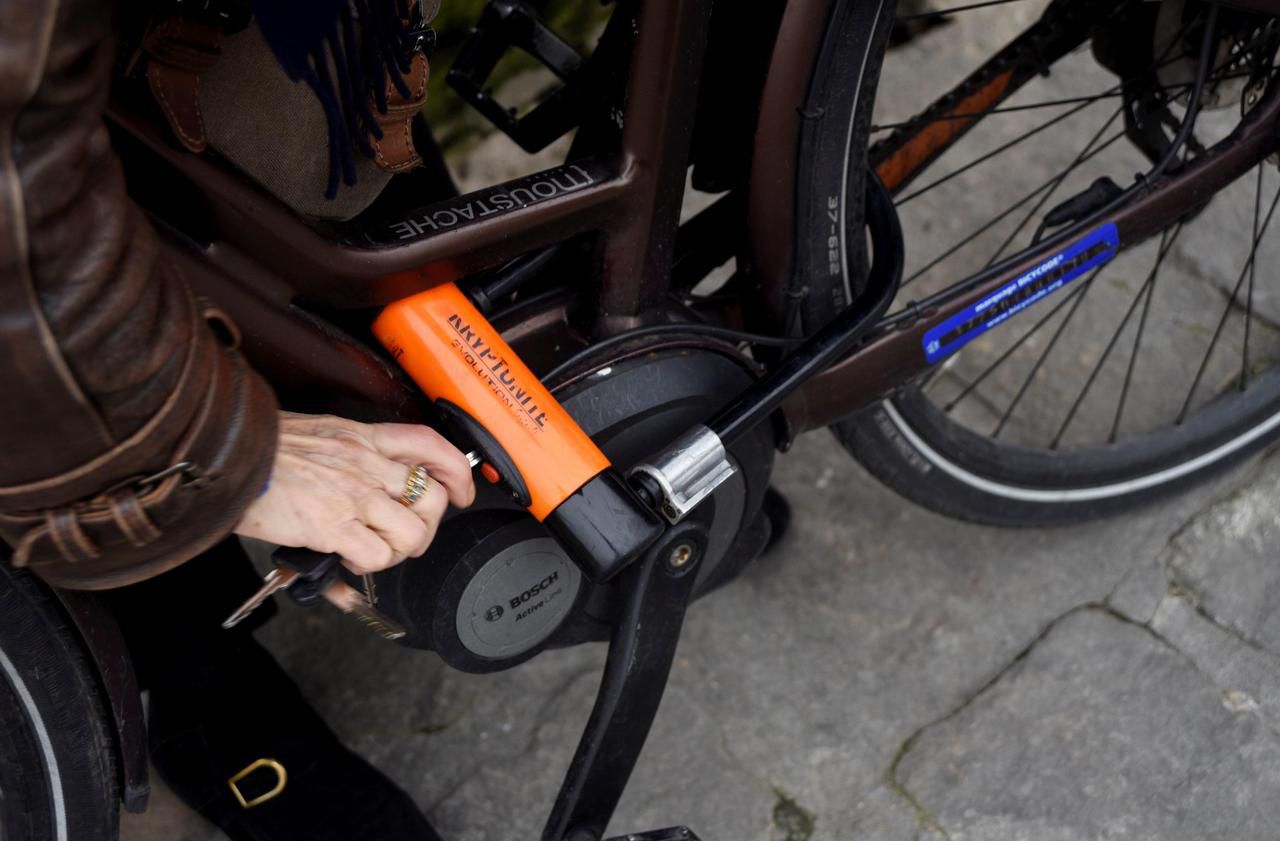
173 623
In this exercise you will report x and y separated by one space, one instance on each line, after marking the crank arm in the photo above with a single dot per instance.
656 591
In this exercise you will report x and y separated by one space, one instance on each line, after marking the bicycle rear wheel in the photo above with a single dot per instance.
57 760
1136 379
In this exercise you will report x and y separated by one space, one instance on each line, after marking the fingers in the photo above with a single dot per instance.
388 533
410 444
362 549
393 479
407 533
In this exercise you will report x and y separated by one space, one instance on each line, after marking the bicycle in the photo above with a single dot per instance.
994 377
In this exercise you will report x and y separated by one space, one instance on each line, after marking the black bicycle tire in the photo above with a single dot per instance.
834 124
57 757
907 444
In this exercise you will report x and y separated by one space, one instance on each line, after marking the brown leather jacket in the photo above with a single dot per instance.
109 371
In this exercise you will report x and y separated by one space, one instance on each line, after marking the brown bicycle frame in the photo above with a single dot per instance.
634 204
266 256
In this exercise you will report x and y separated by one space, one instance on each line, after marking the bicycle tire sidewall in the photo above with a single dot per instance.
835 121
881 437
58 770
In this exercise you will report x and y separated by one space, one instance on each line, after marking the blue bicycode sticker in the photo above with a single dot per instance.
1098 247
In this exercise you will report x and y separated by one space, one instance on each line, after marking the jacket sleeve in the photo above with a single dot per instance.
132 435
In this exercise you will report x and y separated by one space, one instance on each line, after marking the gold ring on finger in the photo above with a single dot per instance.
416 486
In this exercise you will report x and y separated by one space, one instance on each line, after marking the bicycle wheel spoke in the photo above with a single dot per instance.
996 220
1253 267
1050 184
1104 400
937 13
1004 214
1022 138
1150 287
1216 74
1106 353
973 118
1047 185
1085 103
1053 341
1217 333
1172 91
977 381
1084 155
1007 109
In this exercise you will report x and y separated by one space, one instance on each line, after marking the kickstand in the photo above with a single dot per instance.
656 593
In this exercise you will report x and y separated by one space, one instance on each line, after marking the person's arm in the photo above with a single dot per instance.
110 372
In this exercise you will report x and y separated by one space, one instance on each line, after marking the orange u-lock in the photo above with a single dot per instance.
453 353
456 356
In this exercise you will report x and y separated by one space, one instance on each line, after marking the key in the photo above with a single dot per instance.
370 589
308 573
354 603
276 580
310 576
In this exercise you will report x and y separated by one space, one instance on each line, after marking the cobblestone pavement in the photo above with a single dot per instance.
885 674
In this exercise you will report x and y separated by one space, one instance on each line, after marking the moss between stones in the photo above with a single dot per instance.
791 821
434 728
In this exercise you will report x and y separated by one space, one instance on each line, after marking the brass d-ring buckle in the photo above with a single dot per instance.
282 777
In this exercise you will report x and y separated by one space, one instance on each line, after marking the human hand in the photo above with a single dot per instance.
336 486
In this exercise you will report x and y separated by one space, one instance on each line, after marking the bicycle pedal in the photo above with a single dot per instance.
508 24
674 833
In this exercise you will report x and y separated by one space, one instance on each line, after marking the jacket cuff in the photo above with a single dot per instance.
192 497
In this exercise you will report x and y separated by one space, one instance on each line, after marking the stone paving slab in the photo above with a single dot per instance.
1102 730
1226 563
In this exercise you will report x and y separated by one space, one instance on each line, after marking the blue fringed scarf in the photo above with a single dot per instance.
342 49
